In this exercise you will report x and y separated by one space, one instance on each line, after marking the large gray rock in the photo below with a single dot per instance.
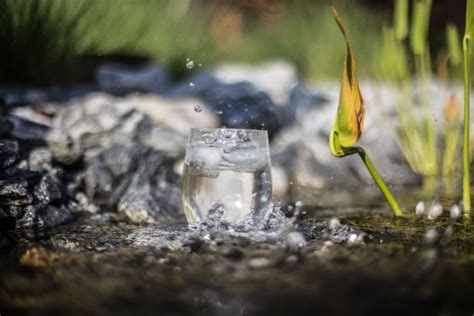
94 122
86 125
238 105
121 79
136 180
276 77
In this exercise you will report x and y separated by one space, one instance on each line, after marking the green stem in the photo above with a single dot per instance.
466 196
378 180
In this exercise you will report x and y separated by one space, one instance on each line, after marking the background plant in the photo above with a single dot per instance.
405 51
468 57
349 121
44 41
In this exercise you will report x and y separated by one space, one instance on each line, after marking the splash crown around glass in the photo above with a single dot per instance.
227 170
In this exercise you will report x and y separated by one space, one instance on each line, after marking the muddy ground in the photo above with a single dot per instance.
364 263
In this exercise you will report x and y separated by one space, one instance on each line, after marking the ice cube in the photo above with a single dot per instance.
204 157
245 158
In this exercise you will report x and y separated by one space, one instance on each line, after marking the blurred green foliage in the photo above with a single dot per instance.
44 41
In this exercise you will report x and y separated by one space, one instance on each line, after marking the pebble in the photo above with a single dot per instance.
258 263
436 209
334 223
420 208
431 236
455 211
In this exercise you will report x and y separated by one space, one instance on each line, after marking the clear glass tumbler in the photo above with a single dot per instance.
227 169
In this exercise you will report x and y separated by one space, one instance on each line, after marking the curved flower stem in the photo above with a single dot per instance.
378 180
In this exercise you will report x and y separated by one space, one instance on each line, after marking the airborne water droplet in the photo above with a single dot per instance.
191 85
189 64
197 109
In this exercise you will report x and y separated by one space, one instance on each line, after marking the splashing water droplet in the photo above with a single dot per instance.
192 85
189 64
219 112
197 109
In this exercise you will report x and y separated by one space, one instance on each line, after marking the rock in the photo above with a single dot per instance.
276 77
28 131
13 97
136 180
120 79
14 192
8 153
48 190
10 211
176 113
40 159
5 126
41 217
92 123
239 105
302 100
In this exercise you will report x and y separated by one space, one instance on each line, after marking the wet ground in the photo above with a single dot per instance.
363 262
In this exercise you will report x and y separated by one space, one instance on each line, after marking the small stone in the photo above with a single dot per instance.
334 223
292 259
435 211
38 258
259 263
420 208
431 236
40 159
352 238
295 240
455 211
14 192
48 189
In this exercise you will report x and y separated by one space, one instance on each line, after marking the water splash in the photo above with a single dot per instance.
198 109
189 63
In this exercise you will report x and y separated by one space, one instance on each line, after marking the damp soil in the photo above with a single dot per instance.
367 264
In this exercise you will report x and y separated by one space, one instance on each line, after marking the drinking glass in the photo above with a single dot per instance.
228 169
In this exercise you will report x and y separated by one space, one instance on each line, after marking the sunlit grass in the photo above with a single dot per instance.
41 41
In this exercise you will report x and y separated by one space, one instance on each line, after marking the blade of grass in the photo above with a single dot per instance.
467 49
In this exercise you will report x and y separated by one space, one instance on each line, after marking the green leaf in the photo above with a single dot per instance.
420 23
401 19
349 121
469 19
454 45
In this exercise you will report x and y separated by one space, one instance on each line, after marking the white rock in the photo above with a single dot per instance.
420 208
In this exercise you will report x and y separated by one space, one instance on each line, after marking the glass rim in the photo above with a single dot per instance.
210 129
